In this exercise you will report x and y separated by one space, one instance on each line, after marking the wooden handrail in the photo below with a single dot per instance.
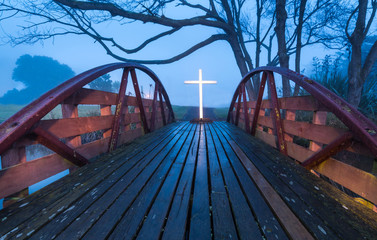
312 142
65 136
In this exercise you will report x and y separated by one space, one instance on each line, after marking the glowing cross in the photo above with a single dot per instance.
200 82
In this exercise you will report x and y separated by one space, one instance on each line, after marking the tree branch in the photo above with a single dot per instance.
162 20
196 47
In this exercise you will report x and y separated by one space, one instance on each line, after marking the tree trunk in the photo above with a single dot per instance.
298 43
241 63
355 82
281 17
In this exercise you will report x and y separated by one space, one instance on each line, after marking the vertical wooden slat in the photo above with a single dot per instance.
319 118
71 111
162 107
118 111
106 111
258 104
276 116
10 158
291 116
154 108
139 101
238 107
245 110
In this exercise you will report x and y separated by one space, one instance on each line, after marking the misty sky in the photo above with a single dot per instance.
81 53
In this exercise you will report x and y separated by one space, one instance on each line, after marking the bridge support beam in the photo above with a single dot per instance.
118 112
50 141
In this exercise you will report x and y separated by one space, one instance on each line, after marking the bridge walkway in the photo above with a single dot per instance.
190 181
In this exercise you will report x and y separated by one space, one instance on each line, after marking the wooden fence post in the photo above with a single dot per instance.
10 158
319 118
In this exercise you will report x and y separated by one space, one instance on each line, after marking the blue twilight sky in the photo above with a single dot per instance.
81 53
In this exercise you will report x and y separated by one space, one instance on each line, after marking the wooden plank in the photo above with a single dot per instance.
52 142
319 118
304 103
358 181
238 108
19 177
200 222
71 111
319 133
366 184
254 151
139 101
11 157
152 226
131 206
63 128
162 109
263 214
91 96
106 111
95 202
97 97
276 116
154 108
29 211
339 144
289 221
242 213
56 210
92 192
176 224
257 104
319 198
31 172
223 224
115 126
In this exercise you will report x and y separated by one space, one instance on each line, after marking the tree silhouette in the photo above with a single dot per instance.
39 74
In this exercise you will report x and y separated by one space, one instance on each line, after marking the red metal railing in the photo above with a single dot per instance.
359 134
63 136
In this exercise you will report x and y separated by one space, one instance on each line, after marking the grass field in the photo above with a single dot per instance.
7 111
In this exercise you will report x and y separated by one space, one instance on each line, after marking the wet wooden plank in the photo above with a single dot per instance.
200 222
264 216
153 224
242 213
176 224
31 207
289 221
223 224
182 184
118 199
320 201
129 224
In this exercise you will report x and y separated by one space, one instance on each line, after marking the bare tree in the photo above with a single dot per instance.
281 18
229 20
358 71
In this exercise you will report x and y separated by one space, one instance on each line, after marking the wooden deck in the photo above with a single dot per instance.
190 181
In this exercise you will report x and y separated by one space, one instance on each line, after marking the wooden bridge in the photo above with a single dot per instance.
269 172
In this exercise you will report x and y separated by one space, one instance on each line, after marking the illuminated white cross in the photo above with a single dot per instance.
200 82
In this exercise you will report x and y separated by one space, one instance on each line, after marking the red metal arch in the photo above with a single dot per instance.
360 127
24 121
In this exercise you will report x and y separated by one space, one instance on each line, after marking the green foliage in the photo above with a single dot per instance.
331 72
39 74
103 83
